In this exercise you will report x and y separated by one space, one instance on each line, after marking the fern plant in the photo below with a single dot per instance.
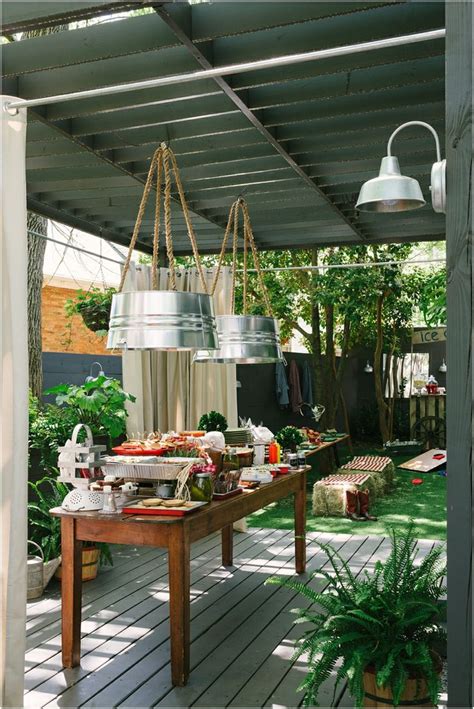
387 621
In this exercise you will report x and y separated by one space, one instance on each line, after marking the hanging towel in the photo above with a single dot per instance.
306 384
281 385
296 398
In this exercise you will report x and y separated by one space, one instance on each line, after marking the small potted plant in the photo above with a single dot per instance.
376 630
94 308
213 421
289 438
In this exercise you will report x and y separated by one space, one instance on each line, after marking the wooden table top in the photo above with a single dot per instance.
256 498
328 444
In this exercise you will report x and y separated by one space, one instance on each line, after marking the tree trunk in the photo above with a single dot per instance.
379 393
330 368
36 251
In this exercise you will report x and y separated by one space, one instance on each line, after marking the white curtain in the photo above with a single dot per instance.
13 407
172 393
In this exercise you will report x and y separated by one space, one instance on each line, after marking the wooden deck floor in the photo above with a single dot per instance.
242 632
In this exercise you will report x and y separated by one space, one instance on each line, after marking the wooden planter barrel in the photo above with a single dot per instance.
415 694
90 564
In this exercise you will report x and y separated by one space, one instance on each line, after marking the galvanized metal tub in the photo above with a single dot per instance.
162 320
245 339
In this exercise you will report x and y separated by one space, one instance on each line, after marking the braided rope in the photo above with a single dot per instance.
223 248
139 219
156 230
256 261
234 254
245 276
167 209
187 218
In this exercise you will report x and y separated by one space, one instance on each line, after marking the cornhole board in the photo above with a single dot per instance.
426 462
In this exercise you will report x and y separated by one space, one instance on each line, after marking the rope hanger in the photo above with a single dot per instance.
163 163
240 205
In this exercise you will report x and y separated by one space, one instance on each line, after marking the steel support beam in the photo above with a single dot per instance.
168 17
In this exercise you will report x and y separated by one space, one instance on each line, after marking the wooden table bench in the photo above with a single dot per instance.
176 534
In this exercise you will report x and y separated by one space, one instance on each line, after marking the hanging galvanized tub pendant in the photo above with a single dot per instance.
244 339
162 319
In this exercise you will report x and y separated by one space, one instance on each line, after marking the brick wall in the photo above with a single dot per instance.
62 334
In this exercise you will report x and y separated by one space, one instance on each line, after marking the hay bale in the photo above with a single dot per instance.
380 468
329 494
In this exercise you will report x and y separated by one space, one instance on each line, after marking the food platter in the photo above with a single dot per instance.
138 508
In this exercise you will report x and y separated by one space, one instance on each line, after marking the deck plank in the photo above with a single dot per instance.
110 605
242 632
128 645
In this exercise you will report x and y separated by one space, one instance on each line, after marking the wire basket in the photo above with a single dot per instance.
163 469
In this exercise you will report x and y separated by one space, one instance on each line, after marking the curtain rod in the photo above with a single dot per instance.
234 68
344 265
253 270
76 248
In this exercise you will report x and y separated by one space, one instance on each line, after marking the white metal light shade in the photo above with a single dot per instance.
390 191
245 339
162 320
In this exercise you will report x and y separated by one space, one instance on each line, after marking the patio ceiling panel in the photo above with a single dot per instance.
296 141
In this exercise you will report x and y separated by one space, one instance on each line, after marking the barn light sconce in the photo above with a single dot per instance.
100 372
368 369
393 192
443 368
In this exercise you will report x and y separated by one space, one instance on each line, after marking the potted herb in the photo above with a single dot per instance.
289 437
45 530
213 421
380 628
94 308
99 403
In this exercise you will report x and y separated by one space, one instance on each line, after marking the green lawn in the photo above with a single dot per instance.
425 503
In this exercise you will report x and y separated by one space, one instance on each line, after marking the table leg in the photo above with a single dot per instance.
71 593
179 572
336 456
300 527
227 545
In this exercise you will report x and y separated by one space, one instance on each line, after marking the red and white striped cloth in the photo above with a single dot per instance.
374 463
354 479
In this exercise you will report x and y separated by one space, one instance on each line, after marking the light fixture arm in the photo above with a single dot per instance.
415 123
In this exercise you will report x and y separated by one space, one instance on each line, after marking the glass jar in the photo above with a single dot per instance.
230 461
202 487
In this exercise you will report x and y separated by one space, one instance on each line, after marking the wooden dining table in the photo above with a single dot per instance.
175 534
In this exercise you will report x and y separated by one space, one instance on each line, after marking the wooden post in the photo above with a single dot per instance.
459 135
300 527
179 572
71 592
227 545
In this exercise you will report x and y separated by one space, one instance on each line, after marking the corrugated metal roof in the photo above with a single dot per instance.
296 141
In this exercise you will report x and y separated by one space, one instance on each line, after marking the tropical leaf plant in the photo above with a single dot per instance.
99 403
387 620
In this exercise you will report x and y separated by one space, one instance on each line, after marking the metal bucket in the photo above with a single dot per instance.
162 320
34 574
245 339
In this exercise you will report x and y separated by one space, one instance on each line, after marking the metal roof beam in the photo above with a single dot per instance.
168 18
24 16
